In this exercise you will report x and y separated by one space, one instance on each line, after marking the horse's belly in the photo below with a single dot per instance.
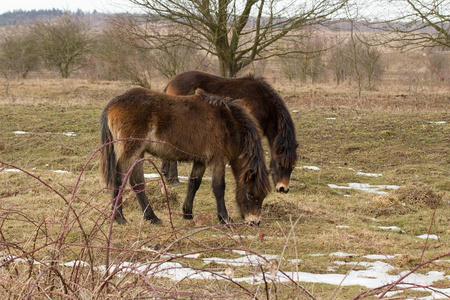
182 150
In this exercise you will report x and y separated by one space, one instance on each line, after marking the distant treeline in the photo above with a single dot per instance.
18 17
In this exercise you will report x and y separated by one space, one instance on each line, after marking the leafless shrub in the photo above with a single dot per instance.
127 55
63 44
18 54
356 60
307 59
438 65
52 264
120 58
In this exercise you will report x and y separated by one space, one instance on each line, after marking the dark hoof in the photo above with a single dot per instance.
173 181
153 219
120 220
188 216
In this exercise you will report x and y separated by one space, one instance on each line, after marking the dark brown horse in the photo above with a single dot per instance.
205 129
263 103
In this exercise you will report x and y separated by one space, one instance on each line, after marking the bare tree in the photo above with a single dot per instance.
439 65
237 32
309 62
63 44
18 54
120 58
413 23
340 63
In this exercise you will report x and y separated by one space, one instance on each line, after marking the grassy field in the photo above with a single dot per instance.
56 236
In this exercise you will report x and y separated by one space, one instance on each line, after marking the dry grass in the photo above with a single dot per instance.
53 218
410 198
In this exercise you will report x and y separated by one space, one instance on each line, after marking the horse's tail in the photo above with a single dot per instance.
108 161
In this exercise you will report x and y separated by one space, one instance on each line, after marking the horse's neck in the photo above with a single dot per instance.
271 132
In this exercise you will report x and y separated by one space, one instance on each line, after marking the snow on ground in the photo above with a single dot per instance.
369 188
370 274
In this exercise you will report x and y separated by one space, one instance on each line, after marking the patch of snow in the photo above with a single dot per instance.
20 132
369 174
342 254
437 122
375 275
249 260
152 175
313 168
430 237
70 133
73 263
61 171
295 111
331 118
380 256
9 170
240 252
369 188
342 226
393 228
156 175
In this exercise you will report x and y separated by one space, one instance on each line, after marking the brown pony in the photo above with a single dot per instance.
205 129
263 103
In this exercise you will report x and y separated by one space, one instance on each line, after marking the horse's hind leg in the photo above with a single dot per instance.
195 179
218 186
117 198
138 183
170 170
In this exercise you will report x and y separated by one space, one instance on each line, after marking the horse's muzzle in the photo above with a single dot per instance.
252 220
282 189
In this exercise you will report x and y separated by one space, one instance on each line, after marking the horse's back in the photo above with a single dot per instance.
256 94
247 87
168 126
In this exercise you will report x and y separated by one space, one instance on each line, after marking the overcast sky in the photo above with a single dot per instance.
72 5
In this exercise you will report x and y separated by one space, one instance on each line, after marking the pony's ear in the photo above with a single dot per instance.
250 176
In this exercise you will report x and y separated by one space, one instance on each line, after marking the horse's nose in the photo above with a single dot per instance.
254 223
282 189
253 220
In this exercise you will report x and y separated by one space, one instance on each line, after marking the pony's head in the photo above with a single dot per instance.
249 168
281 137
282 163
251 190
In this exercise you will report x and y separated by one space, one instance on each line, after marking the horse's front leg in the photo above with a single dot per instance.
138 183
195 179
218 186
